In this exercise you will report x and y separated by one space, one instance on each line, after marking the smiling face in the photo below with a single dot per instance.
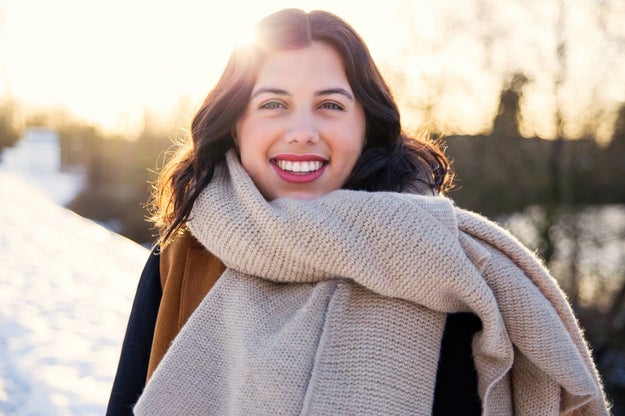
303 130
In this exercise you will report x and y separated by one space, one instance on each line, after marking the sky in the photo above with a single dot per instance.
103 59
108 61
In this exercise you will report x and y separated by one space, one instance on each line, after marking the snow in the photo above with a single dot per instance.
36 157
66 288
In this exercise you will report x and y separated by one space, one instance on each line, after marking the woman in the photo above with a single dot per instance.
309 267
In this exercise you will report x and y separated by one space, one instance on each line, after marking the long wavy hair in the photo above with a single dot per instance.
390 160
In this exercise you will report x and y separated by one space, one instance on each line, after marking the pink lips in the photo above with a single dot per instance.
299 177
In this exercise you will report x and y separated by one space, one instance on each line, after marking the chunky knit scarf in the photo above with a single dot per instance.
337 306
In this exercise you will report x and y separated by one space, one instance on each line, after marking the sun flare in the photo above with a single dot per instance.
108 62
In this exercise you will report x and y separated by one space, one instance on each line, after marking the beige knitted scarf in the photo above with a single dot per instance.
337 306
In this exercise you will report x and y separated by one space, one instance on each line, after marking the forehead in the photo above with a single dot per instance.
316 65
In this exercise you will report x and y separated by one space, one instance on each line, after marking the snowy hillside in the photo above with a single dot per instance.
66 287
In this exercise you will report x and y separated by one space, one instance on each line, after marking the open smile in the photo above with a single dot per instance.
299 168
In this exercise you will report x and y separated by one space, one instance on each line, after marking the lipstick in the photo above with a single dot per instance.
299 168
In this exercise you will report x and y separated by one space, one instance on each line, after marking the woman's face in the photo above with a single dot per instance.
303 129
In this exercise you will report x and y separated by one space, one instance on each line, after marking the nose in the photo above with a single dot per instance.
302 130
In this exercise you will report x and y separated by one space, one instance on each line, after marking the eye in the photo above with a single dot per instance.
270 105
332 105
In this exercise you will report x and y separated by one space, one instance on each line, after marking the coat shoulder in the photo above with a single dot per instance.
188 271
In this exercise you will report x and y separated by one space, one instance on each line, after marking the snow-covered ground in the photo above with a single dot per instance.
66 287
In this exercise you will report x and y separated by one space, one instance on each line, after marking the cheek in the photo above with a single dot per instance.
356 147
248 140
355 142
245 148
255 133
349 149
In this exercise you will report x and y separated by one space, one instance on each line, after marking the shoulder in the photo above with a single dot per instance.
188 272
507 256
185 252
490 234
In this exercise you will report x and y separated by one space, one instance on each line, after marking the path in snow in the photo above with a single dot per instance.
66 287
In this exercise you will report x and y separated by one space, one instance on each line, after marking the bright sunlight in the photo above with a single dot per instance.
110 61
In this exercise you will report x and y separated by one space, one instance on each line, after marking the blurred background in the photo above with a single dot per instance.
527 97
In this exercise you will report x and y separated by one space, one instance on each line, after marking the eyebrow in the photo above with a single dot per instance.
331 91
269 90
328 91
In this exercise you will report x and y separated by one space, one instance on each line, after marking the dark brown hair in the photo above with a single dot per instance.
390 161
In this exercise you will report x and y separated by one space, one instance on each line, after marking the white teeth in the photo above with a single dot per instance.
300 167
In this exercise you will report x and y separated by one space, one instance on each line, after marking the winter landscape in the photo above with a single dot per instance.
66 287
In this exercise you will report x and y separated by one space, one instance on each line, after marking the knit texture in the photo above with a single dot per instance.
337 306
